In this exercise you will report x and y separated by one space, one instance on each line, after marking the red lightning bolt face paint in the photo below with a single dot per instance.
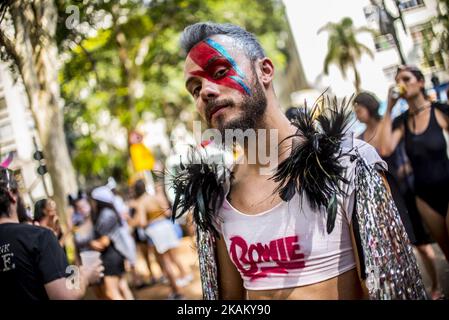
212 57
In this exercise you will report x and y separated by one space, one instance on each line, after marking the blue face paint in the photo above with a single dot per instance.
240 82
219 48
210 55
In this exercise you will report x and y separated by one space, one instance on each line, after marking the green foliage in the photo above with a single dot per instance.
443 19
343 48
432 58
435 38
134 65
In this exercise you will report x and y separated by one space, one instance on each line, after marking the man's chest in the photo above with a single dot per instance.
253 196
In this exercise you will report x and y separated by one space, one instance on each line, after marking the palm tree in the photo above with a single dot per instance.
343 48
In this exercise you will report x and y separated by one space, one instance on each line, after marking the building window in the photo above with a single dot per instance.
420 33
390 72
3 107
411 4
424 38
384 42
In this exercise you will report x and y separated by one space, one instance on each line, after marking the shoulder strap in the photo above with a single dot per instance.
444 108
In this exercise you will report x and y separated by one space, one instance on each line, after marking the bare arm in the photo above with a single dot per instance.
229 279
140 217
357 260
389 138
162 200
442 119
62 289
132 220
101 243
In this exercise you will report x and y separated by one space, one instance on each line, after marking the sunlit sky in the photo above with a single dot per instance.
306 18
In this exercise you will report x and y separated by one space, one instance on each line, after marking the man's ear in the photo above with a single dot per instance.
266 68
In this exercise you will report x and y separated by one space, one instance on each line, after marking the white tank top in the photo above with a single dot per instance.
288 245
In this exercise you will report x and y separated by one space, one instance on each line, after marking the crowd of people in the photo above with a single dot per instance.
415 146
298 235
101 221
342 242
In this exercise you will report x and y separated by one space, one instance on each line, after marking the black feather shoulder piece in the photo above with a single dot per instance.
200 188
313 167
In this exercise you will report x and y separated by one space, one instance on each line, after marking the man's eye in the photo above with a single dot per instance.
196 91
406 79
220 73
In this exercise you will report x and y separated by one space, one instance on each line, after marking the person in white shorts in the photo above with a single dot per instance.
152 213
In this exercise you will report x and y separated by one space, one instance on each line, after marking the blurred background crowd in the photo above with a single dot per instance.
94 114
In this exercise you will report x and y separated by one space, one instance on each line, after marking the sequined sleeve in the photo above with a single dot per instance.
357 149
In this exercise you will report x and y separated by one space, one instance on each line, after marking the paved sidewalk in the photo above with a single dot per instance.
442 271
189 257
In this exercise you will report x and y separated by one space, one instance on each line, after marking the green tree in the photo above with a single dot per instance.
28 41
134 65
343 48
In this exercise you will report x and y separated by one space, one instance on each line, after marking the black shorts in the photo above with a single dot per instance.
140 236
422 235
435 195
402 207
113 261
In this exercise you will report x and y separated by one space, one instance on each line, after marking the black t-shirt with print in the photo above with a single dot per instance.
30 257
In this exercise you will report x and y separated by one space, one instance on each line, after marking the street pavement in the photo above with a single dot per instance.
188 255
442 271
192 291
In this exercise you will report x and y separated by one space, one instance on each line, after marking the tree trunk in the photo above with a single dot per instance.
398 47
356 78
37 53
128 70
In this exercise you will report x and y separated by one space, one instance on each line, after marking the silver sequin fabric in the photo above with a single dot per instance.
390 264
208 264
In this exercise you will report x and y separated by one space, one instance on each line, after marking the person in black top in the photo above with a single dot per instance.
33 266
399 175
424 128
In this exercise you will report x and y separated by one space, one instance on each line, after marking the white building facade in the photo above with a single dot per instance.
16 135
377 74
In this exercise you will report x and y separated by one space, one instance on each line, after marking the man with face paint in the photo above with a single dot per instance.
243 108
267 247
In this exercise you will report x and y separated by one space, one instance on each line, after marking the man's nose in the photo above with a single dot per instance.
209 91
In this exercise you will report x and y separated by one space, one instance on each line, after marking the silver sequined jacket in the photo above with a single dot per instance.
387 262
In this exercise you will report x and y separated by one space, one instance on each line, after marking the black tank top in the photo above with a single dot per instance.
428 153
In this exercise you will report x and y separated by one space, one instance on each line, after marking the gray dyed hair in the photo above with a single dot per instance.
200 31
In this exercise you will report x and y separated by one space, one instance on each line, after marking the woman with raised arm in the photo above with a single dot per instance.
399 177
425 130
